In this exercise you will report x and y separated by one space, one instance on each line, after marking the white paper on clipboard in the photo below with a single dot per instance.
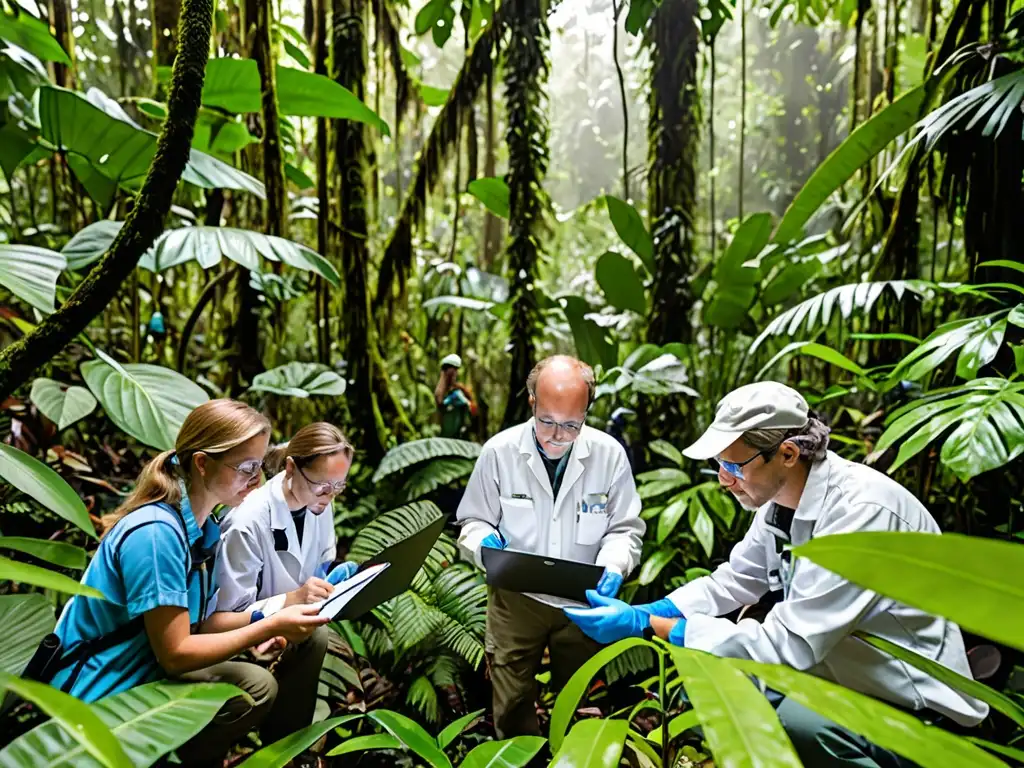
348 589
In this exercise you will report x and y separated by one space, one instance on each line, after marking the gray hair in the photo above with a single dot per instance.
585 371
811 439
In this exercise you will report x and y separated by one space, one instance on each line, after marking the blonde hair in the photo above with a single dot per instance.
308 444
214 427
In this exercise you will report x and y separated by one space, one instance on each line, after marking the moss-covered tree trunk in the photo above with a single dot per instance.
164 20
673 141
144 222
321 34
526 70
371 405
260 19
492 223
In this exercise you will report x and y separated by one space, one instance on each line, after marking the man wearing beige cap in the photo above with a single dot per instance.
773 456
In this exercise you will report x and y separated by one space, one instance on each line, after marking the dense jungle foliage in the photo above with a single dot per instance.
308 205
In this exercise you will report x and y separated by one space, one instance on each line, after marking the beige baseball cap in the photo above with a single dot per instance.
763 405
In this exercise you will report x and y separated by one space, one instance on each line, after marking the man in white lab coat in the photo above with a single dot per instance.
772 456
551 486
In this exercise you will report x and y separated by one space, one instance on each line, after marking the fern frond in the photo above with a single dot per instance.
416 451
434 474
391 527
413 621
423 698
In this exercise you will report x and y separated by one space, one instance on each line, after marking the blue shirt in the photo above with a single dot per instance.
144 562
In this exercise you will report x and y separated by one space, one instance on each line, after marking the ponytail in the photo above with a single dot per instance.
274 461
158 481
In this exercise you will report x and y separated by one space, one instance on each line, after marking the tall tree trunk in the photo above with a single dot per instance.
323 297
164 18
673 140
369 393
145 221
60 17
492 224
526 70
260 19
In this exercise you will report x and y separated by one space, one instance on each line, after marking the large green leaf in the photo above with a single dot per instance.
63 406
595 344
35 479
110 149
620 282
234 85
23 573
455 729
148 402
74 717
26 619
998 701
881 724
866 141
735 285
58 553
739 724
412 735
592 743
149 721
30 273
664 375
979 338
281 752
302 380
32 34
434 474
365 743
493 192
511 753
403 456
984 417
973 581
90 243
568 700
630 227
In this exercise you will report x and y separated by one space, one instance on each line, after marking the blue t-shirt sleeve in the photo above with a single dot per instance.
152 563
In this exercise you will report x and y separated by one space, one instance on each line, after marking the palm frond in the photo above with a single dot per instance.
413 621
846 298
408 454
462 594
434 474
423 698
463 642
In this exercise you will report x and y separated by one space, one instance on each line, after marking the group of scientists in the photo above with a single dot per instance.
188 596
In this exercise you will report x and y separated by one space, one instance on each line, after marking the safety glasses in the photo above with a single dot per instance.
572 427
736 469
322 489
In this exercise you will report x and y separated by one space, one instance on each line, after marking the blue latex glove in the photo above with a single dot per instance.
341 572
664 608
608 620
678 634
494 541
608 585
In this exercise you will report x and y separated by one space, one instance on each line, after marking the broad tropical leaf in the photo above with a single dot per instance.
26 31
455 729
595 344
35 479
860 296
493 193
735 283
630 227
434 474
676 726
58 553
998 701
61 405
656 563
595 743
300 380
281 752
511 753
666 449
412 736
365 743
866 141
74 718
148 402
622 286
459 302
26 619
568 700
406 455
985 417
971 580
234 85
149 721
881 724
23 573
90 243
977 338
30 273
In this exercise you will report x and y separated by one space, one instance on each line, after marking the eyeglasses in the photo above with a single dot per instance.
248 469
736 469
572 427
322 489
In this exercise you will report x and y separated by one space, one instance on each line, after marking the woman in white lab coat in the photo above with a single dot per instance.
279 547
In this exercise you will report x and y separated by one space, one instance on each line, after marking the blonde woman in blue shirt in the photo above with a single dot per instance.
156 564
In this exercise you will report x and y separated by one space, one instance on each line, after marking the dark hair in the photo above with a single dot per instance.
812 439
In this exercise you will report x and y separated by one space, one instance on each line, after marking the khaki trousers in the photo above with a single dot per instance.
518 630
282 702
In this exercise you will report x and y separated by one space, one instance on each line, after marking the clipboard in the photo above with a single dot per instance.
404 559
539 574
347 590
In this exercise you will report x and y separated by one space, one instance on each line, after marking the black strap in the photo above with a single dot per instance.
83 650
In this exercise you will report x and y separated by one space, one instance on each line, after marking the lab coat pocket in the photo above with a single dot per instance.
590 528
518 522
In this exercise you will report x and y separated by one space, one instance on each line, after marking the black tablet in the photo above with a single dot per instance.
539 574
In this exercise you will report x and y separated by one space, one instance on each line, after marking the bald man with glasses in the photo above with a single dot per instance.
551 486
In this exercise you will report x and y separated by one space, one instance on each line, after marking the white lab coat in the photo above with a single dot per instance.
509 491
811 629
251 570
